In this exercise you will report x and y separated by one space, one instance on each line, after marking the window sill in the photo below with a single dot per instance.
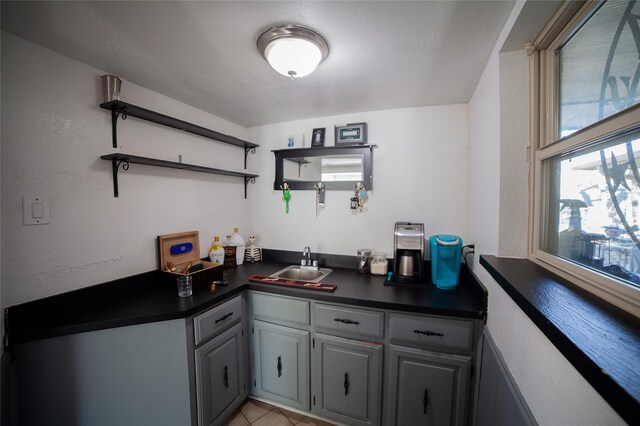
600 340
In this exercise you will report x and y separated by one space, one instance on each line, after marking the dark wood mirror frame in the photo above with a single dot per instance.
300 155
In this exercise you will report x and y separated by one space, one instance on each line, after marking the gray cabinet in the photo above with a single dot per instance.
280 310
220 376
347 380
348 322
332 359
429 369
444 334
220 361
500 402
129 376
426 388
281 364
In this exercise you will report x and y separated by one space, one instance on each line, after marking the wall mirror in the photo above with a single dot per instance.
337 167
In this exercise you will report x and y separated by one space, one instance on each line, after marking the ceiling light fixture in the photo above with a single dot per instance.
293 50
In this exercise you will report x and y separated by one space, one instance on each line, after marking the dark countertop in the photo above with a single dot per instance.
145 298
600 340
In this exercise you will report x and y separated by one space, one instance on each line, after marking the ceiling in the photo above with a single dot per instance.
383 55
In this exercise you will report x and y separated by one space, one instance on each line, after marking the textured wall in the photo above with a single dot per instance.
514 138
555 391
53 133
484 161
420 174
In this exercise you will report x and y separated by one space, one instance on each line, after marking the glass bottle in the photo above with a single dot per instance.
229 253
364 258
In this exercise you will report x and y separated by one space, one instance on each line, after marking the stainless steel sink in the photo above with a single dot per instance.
295 272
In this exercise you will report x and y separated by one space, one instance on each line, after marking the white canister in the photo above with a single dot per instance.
379 263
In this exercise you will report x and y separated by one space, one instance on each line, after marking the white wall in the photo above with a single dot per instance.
420 174
53 133
555 391
514 138
484 161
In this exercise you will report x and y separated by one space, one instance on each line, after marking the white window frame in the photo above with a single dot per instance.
544 87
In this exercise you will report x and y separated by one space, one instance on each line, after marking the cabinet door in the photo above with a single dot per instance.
281 364
426 388
499 399
220 376
346 380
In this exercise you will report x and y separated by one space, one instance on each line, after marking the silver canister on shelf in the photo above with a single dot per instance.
364 261
111 86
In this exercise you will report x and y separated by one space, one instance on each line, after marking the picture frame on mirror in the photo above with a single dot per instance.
317 137
351 134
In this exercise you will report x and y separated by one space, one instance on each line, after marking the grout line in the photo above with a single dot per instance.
286 417
245 417
263 415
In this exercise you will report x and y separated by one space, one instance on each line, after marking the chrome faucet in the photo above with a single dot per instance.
306 256
306 262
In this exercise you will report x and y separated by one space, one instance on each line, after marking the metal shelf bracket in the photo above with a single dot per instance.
247 150
115 165
248 179
114 123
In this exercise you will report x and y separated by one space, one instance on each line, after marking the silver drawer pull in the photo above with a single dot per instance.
346 321
428 333
224 317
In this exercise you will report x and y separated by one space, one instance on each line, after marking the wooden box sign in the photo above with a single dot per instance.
183 249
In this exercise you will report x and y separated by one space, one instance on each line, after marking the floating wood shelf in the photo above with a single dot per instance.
124 109
126 159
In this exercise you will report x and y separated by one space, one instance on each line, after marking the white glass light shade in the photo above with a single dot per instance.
292 50
293 57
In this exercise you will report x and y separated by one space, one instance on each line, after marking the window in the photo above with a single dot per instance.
586 202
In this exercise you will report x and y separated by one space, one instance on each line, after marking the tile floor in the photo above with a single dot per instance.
257 413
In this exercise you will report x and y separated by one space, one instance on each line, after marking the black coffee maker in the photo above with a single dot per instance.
408 252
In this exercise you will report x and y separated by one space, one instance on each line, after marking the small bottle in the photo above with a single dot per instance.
239 242
216 252
379 263
229 253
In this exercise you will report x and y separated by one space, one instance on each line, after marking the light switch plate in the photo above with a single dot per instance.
35 210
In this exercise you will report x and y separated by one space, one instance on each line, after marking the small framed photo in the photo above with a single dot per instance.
351 134
317 137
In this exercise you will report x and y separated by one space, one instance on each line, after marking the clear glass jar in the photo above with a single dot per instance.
379 263
364 259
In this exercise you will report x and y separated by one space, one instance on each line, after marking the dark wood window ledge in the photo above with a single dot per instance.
600 340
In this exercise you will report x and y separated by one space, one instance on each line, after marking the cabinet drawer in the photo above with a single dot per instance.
280 310
416 331
215 320
353 322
